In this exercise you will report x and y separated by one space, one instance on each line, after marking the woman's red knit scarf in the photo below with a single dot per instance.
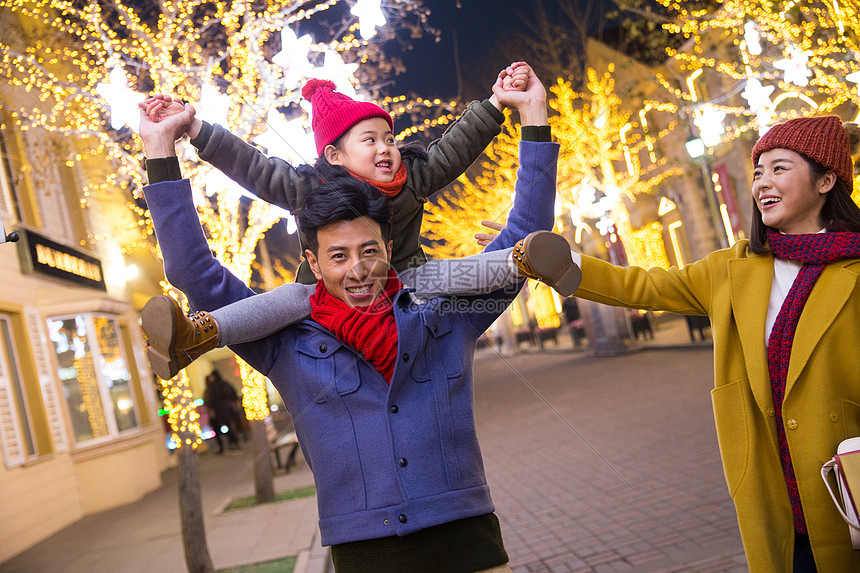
815 251
369 329
391 189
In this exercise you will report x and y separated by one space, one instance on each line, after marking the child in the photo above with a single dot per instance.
355 138
365 150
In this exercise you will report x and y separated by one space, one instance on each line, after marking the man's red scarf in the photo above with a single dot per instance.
369 329
391 189
815 251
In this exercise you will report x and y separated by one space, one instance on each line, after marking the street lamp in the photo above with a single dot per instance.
695 147
4 238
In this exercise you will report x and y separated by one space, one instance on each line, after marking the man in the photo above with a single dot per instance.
222 404
379 384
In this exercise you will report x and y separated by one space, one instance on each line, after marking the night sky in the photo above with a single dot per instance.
480 29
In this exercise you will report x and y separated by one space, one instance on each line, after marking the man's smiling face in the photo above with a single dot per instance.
352 260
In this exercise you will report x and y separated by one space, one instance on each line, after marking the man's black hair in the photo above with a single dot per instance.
343 198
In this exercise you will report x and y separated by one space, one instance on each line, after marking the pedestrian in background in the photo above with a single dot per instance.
222 402
574 320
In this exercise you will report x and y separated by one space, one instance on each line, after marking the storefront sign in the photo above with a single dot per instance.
42 255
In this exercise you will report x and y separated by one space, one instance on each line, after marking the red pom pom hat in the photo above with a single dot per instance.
334 113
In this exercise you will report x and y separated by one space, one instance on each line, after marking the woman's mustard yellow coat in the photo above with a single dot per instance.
822 398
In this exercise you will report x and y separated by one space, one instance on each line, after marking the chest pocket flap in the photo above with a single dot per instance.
439 346
335 371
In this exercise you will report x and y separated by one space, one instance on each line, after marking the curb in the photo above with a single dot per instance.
317 559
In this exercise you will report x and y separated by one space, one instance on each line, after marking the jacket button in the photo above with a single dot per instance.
792 424
435 328
394 409
386 521
405 357
323 347
402 462
833 417
402 518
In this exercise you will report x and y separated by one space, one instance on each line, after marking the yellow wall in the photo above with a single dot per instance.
119 473
37 500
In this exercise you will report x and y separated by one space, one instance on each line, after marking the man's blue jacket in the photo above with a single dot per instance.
387 460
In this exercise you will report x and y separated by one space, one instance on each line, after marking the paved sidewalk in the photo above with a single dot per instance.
596 464
145 537
606 464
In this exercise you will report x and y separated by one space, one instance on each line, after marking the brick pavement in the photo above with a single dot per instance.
555 427
606 464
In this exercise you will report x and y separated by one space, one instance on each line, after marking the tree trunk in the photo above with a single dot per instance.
264 487
197 557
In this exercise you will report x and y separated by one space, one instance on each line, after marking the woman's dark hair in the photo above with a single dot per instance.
343 198
839 212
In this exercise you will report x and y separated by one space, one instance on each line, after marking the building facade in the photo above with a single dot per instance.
79 429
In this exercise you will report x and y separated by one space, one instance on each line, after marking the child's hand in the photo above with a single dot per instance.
159 107
159 131
530 103
515 77
484 239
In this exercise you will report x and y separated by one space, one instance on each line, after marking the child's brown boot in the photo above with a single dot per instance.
545 256
176 340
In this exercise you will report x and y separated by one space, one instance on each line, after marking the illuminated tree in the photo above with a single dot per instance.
602 184
602 180
242 63
598 170
782 60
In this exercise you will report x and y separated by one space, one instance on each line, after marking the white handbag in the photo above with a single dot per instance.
846 466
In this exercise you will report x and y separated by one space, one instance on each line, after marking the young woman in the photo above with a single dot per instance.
785 315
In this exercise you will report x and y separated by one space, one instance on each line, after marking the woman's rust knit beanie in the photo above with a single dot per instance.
821 139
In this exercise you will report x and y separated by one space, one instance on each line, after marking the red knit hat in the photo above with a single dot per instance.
334 113
822 139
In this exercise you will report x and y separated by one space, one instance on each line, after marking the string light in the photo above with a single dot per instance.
807 48
370 16
215 55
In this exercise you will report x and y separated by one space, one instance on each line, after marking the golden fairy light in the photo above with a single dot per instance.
84 64
791 58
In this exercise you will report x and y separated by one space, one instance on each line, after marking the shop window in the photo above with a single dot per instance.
94 375
16 428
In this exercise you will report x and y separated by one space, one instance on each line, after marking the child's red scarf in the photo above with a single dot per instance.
388 189
369 329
